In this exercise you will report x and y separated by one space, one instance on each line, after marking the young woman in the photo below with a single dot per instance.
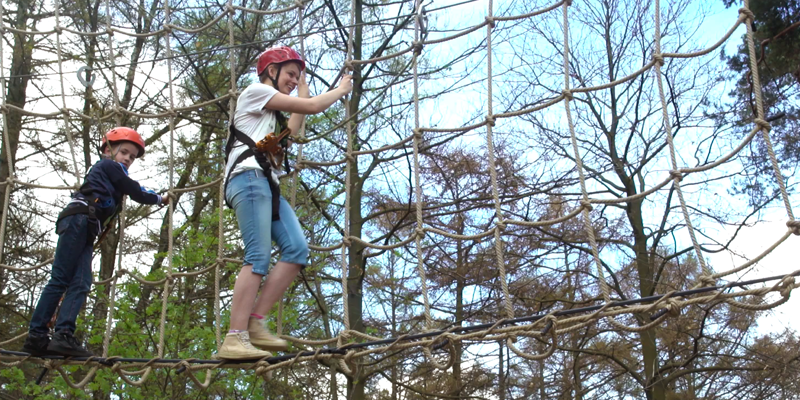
252 191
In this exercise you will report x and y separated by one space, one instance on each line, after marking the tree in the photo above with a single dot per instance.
776 34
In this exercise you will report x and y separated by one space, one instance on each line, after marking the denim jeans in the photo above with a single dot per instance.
71 276
251 198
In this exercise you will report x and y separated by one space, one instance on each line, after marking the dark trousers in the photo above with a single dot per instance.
71 276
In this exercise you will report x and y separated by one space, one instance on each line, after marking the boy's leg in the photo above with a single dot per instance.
76 292
64 342
69 249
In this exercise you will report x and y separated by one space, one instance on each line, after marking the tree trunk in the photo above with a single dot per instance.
654 389
20 70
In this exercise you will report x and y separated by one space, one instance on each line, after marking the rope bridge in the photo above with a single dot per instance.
350 344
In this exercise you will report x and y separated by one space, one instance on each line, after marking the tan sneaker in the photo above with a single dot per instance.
237 346
261 338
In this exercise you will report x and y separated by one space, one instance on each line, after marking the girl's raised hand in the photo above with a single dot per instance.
302 86
346 84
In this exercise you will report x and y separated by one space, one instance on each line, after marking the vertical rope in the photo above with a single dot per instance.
64 109
10 182
751 48
420 230
676 177
117 117
231 107
112 60
168 275
351 164
585 203
112 292
302 133
500 225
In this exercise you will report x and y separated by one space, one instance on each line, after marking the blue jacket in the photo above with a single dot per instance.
104 186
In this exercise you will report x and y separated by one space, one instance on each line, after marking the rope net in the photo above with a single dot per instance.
378 192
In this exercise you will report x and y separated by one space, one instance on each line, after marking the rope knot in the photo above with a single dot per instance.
65 111
490 21
299 4
794 226
110 31
168 28
58 29
417 46
417 133
348 65
490 120
234 93
121 272
787 284
747 14
673 307
707 280
3 108
587 205
677 175
567 94
220 261
346 241
169 278
420 232
763 124
659 59
299 165
350 157
501 225
230 9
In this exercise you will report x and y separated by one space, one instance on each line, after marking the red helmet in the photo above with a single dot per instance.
278 55
123 134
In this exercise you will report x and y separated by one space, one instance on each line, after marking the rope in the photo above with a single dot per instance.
420 231
759 118
171 210
676 181
498 241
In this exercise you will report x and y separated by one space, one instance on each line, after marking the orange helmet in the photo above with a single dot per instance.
123 134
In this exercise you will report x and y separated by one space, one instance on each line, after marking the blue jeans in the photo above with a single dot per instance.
249 194
71 276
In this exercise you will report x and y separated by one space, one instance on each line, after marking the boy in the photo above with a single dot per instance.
91 210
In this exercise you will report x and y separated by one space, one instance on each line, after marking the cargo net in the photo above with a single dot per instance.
431 194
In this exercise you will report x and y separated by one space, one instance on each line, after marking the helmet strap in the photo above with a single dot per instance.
277 75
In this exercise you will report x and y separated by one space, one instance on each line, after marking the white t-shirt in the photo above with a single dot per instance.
252 119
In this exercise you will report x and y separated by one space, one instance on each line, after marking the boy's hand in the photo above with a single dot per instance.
302 87
165 200
346 84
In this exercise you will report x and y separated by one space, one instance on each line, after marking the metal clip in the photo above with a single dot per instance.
90 77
